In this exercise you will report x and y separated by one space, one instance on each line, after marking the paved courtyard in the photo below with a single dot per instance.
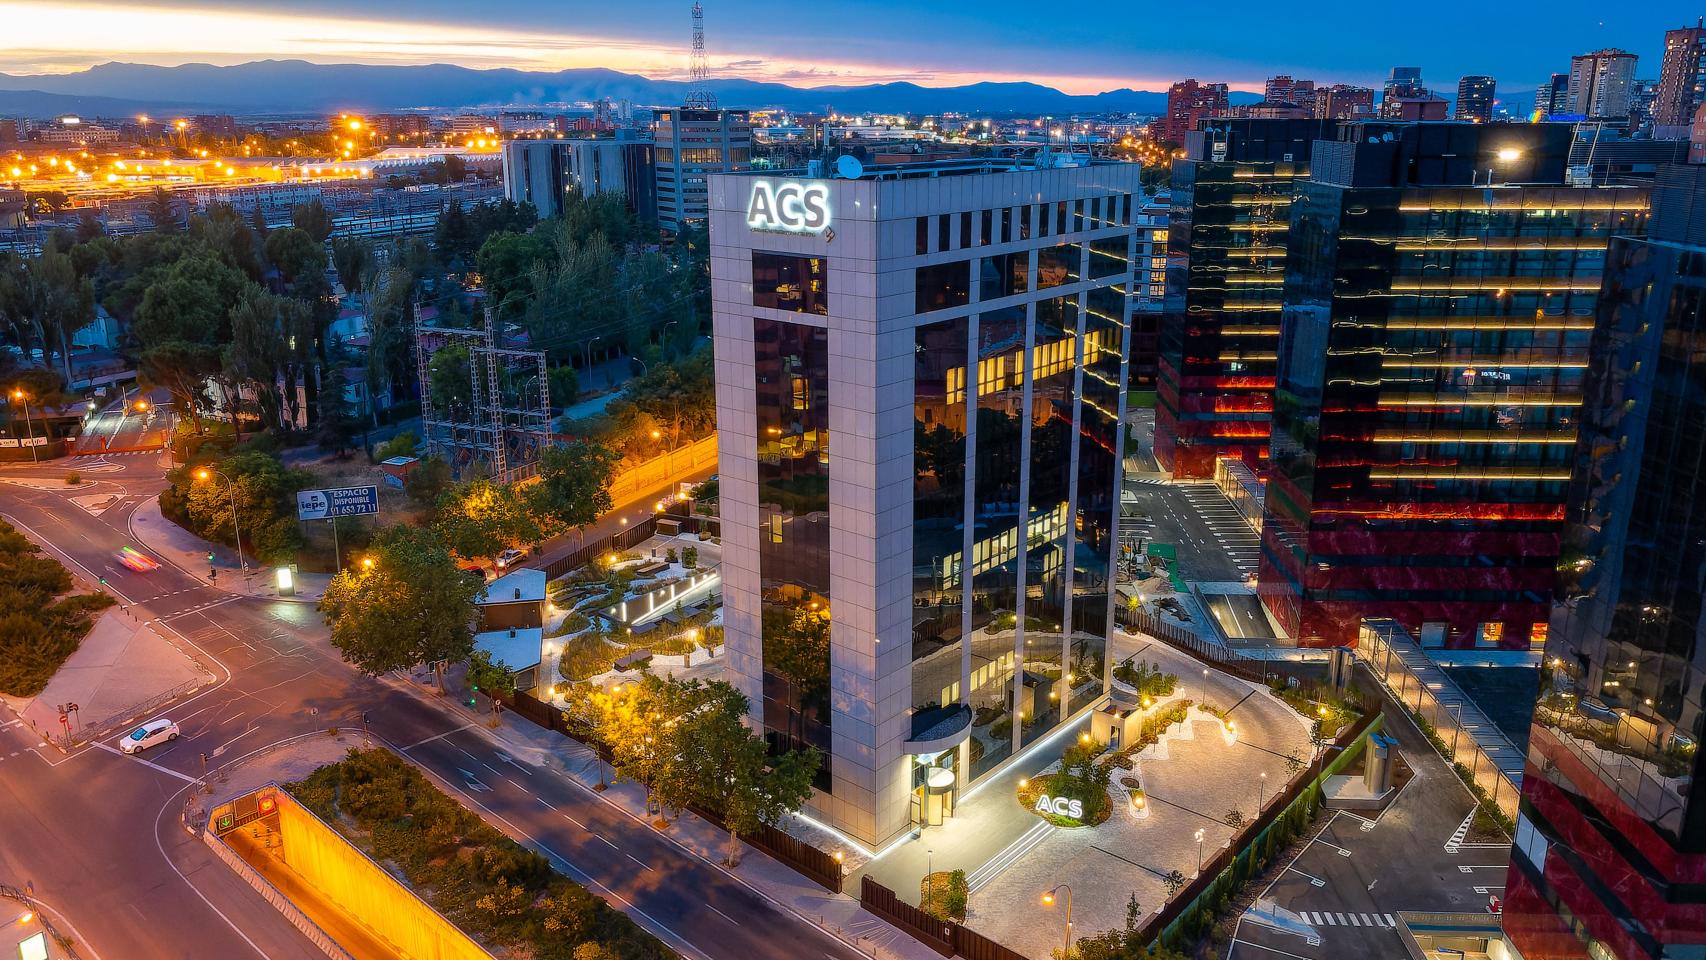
1193 778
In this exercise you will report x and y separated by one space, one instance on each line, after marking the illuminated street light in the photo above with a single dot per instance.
18 395
1048 901
203 474
1199 850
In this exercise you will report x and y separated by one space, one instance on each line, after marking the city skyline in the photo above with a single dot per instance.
875 41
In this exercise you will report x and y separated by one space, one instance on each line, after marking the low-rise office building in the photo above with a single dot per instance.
542 172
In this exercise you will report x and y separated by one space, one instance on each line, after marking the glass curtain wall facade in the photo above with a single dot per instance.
1610 853
1435 342
1226 260
790 363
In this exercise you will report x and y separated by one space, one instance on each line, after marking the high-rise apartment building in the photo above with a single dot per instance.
1475 99
1682 80
1601 84
690 145
1610 845
1227 238
920 391
1188 102
1343 102
1438 304
1552 99
542 172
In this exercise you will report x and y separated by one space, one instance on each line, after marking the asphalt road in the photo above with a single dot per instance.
1215 544
100 836
1350 882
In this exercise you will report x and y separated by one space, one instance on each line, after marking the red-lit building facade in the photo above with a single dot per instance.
1220 324
1188 102
1435 335
1609 859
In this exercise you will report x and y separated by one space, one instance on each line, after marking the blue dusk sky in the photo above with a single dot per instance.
1081 47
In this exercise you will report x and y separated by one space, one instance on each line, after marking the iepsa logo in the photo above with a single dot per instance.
788 207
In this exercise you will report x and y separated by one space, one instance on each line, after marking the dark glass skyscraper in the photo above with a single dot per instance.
1438 305
1226 253
1610 855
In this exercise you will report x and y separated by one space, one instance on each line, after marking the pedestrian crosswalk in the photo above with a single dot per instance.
1322 918
1232 533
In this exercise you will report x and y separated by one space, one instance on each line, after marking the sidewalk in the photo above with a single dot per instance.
183 549
837 914
122 671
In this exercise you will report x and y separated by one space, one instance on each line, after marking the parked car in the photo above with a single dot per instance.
509 558
152 733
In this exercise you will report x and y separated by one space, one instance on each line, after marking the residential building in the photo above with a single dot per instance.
1609 841
1404 83
692 144
542 172
1682 80
73 131
1228 233
1697 137
1188 102
1552 99
1415 109
1343 102
472 125
1601 84
1474 99
1286 89
920 391
1438 305
9 130
1642 98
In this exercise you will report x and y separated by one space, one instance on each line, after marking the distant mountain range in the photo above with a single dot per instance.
296 86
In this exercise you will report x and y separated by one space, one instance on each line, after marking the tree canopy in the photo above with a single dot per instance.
411 606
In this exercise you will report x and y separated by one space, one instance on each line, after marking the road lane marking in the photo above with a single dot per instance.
638 860
722 914
607 843
130 756
436 736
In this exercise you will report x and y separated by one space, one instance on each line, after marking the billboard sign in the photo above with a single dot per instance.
337 502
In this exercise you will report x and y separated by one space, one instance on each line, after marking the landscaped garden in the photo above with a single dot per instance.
595 640
497 891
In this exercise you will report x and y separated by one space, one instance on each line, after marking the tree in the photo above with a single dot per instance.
481 518
181 323
565 385
271 339
573 486
294 253
338 422
428 481
401 445
351 257
313 219
45 302
411 606
163 211
264 491
492 678
454 234
507 262
451 380
89 227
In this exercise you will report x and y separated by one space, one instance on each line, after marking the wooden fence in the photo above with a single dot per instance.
624 539
810 862
946 937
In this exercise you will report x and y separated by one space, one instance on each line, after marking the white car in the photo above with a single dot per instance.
509 558
152 733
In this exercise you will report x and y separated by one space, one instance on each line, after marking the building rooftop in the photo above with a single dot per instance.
517 586
516 648
944 168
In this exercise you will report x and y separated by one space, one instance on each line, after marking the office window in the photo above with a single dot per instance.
942 286
921 242
663 154
1108 257
787 282
965 229
1003 275
1006 224
1060 216
1058 265
942 228
988 226
701 155
1025 222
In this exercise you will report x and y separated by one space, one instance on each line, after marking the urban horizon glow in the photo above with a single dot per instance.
857 42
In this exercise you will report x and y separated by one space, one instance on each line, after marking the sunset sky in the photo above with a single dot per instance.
1083 47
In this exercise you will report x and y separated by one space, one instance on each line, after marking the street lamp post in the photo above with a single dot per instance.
1048 901
236 527
589 344
930 875
1261 791
18 395
1199 851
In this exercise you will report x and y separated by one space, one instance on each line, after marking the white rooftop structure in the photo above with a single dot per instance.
516 649
516 586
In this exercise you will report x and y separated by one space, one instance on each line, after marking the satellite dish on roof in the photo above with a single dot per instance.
848 167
